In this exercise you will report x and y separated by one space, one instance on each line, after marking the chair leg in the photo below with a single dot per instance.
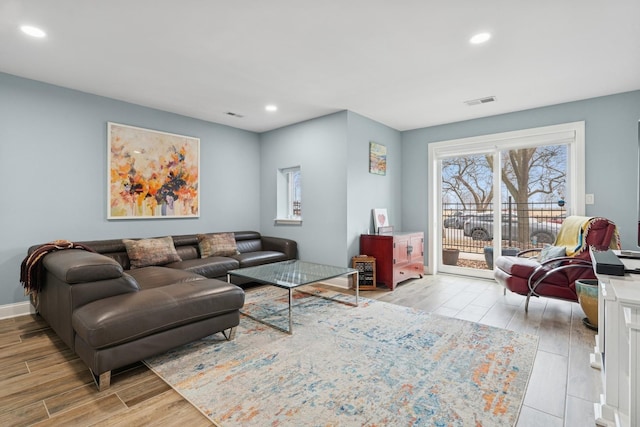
504 291
526 304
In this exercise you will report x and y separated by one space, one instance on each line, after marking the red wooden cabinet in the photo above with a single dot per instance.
399 256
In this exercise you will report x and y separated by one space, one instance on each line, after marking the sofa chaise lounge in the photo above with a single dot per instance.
112 314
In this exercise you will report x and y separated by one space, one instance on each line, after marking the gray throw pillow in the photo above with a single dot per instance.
550 251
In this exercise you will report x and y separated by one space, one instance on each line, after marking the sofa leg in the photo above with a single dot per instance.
103 381
230 334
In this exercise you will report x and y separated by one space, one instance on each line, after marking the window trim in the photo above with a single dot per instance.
572 133
284 197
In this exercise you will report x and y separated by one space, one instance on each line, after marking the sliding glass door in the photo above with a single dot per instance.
466 209
501 194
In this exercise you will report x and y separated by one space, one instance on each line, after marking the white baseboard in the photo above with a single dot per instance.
15 310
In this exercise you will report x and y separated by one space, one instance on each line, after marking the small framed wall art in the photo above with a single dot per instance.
152 174
377 158
380 220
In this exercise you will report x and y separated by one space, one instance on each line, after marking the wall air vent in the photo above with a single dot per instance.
479 101
232 114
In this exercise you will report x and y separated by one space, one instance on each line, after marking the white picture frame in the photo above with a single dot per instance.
380 218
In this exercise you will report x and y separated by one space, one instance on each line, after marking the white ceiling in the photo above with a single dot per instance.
405 63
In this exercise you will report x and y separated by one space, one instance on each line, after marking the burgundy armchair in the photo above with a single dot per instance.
555 277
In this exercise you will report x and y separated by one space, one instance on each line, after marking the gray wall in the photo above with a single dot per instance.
338 192
366 191
53 151
53 145
319 147
611 126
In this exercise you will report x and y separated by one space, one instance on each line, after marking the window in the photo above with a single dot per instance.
536 174
289 188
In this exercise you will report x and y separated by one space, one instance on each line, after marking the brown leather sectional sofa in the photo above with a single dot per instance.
112 316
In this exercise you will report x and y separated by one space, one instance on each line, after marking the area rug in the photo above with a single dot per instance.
378 364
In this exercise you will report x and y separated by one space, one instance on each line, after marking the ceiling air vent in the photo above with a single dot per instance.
479 101
232 114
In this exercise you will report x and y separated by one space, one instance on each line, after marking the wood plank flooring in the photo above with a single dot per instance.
42 383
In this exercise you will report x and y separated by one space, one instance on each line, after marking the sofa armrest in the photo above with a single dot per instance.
79 266
73 278
279 244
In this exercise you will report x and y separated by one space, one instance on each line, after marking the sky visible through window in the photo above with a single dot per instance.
539 173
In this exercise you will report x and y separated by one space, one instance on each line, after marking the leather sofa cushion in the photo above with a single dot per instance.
246 235
78 266
84 293
187 252
251 245
211 267
251 259
121 258
153 277
123 318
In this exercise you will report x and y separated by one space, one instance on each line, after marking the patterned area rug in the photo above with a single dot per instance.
376 365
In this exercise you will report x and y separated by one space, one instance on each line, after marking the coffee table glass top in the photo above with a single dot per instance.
292 273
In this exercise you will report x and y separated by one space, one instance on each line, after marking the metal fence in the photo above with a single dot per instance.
469 228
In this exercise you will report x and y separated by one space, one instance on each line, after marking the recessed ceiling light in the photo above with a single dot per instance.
271 107
480 38
33 31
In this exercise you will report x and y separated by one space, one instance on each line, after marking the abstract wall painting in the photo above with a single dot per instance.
152 174
377 158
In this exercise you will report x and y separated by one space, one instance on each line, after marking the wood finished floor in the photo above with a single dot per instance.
43 383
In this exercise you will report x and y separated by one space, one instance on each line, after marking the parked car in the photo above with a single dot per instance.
457 219
480 227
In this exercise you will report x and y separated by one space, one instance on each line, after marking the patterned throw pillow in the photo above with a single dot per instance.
217 244
145 252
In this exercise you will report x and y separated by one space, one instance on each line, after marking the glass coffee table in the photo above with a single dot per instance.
290 275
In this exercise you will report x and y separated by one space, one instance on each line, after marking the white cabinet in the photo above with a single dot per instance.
617 350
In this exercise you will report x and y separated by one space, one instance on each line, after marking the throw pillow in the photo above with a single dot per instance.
145 252
217 244
550 251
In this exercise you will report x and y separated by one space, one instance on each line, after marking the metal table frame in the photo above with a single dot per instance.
291 275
